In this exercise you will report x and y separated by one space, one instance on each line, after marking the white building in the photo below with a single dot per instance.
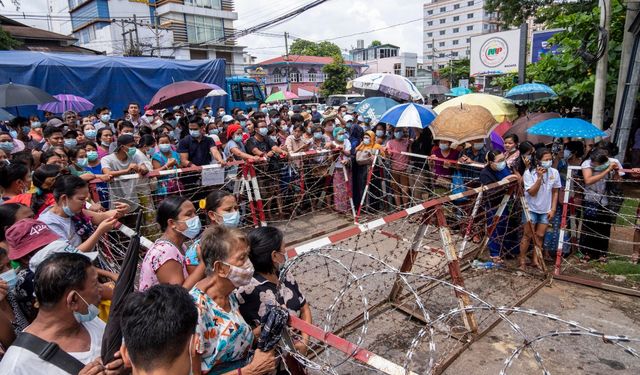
180 29
385 58
448 28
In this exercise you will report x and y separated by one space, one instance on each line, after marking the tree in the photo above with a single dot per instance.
309 48
455 71
7 42
375 43
571 76
505 81
338 74
514 12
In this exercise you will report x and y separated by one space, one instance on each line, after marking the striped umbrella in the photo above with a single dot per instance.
281 96
409 115
67 102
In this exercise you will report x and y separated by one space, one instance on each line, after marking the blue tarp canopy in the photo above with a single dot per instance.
105 80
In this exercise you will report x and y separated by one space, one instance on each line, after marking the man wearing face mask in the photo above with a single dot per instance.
196 149
133 115
474 154
104 119
68 292
71 119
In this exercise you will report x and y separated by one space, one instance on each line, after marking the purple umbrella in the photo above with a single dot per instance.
497 143
67 102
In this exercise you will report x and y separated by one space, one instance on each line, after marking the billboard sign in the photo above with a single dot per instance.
540 44
463 83
496 53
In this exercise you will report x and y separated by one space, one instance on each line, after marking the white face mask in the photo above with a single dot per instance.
240 276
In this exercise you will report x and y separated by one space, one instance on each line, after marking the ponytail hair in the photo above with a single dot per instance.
491 156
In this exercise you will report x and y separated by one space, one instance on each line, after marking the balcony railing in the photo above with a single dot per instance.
302 78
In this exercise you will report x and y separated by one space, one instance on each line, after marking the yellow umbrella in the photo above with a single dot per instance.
463 123
502 109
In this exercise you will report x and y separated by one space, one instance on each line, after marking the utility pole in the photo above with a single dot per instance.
286 47
522 58
625 58
600 89
135 25
124 39
433 61
155 28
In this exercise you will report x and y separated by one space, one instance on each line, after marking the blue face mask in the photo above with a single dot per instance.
340 138
195 133
165 147
13 133
263 131
82 162
36 124
193 227
10 277
92 155
231 219
215 131
91 133
70 143
92 312
7 146
602 167
26 129
317 135
105 118
237 138
379 133
398 135
546 164
173 122
501 165
131 151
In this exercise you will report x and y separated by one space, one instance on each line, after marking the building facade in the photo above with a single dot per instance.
448 28
385 58
179 29
302 74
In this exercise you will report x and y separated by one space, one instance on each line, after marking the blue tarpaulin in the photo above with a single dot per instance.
105 80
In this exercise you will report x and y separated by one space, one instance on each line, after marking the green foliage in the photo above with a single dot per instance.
375 43
505 81
338 74
455 71
569 75
514 12
7 42
309 48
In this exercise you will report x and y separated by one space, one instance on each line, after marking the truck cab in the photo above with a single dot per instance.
243 93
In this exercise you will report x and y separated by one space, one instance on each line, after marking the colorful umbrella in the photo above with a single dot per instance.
373 108
463 123
523 123
179 93
217 91
396 86
503 128
435 90
67 102
458 91
497 143
501 108
567 128
281 96
409 115
531 92
14 95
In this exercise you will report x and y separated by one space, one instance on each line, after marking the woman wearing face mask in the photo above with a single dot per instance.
496 170
7 143
105 138
524 160
364 157
221 208
474 154
542 184
381 134
69 219
596 217
95 167
166 159
43 179
511 152
90 132
36 129
164 262
267 254
341 185
15 179
443 170
223 339
399 166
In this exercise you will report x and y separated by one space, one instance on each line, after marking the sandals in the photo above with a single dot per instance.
635 258
497 260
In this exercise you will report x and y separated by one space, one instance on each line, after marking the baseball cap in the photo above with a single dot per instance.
57 246
227 118
55 122
28 235
125 139
347 118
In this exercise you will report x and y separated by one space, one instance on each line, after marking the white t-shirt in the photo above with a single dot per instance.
20 361
596 192
541 203
63 227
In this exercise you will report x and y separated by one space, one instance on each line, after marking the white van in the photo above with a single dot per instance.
336 101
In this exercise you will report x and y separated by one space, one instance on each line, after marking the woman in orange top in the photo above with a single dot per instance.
43 178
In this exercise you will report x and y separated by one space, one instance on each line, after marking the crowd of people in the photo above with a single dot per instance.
219 279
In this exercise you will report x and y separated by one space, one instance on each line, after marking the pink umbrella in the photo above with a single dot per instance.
179 93
523 123
67 102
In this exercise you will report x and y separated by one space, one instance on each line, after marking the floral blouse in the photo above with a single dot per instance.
161 252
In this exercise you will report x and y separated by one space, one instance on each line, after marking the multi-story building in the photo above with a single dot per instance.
304 76
180 29
448 28
385 58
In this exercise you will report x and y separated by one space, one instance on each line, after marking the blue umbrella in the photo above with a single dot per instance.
409 115
458 91
531 92
566 128
373 108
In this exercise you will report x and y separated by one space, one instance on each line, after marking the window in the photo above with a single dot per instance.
441 55
443 20
388 52
294 75
430 12
86 35
276 76
430 45
456 18
443 9
468 52
202 29
470 15
429 34
429 57
470 28
456 6
469 3
456 29
442 32
441 44
468 40
429 23
410 72
89 12
313 75
454 53
211 4
485 26
440 66
455 42
397 69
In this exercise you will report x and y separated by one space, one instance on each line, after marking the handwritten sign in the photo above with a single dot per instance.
212 176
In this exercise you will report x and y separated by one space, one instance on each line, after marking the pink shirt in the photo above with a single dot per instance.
161 252
399 162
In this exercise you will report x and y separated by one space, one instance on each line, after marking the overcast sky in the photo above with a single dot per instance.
335 18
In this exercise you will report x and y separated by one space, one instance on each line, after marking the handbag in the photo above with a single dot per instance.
49 352
363 157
